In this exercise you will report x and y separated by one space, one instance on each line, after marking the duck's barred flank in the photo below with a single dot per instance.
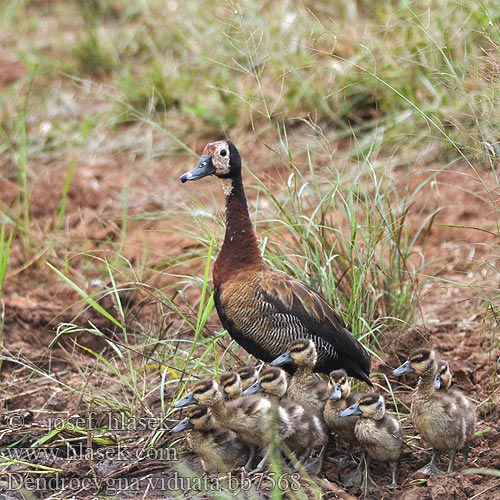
261 308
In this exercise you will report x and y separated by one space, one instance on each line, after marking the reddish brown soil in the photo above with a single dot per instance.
460 242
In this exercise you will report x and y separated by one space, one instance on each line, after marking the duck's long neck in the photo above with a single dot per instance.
240 248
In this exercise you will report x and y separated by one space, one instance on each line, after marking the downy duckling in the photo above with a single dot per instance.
339 398
305 387
248 375
378 433
309 430
218 449
442 382
255 419
231 385
436 416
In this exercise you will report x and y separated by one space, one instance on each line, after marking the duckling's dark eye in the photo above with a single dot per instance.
223 152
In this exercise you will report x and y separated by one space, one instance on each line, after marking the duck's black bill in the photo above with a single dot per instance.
205 167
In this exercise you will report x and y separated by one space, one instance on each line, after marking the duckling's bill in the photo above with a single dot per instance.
352 411
285 358
185 401
336 393
404 368
254 388
183 425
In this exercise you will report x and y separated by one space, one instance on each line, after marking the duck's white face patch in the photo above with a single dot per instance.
219 151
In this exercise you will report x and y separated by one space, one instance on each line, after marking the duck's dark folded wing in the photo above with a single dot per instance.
291 297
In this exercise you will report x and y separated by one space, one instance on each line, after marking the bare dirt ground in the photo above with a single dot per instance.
461 242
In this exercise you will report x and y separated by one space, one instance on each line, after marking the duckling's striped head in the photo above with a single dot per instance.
205 392
443 375
272 381
248 376
339 385
370 405
301 352
422 362
220 158
230 383
198 417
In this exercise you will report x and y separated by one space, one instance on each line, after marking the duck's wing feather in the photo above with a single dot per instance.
290 296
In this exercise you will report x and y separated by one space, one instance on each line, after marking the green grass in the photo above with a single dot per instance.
334 112
5 243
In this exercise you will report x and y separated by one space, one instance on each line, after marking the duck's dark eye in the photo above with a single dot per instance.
223 152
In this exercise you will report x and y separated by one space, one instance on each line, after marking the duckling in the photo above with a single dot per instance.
436 416
248 376
218 449
378 433
263 309
442 382
256 420
340 397
309 433
231 385
305 387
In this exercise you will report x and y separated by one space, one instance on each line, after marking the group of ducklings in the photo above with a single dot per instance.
243 415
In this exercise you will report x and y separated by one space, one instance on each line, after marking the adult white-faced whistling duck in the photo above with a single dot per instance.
378 433
248 376
436 415
261 308
309 437
219 449
340 398
305 387
442 382
255 419
231 385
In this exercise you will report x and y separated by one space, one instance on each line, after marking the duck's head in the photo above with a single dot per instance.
421 362
370 405
272 381
220 158
205 392
197 417
248 376
301 352
443 375
339 386
230 383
